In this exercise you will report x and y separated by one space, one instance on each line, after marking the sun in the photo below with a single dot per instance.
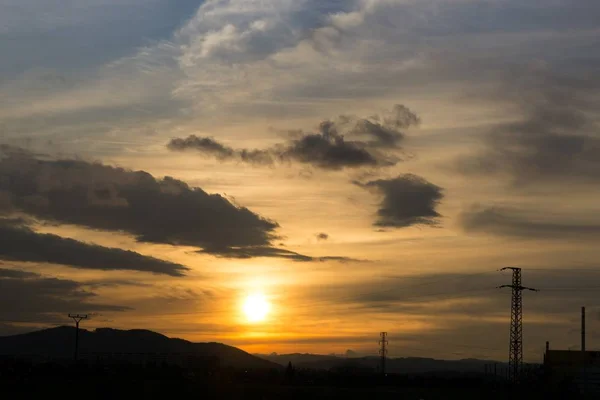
256 307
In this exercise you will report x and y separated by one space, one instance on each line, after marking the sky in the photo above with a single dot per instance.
357 166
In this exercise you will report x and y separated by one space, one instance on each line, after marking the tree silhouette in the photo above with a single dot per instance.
289 372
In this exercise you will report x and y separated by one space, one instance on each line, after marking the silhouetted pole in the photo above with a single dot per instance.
77 318
515 356
383 350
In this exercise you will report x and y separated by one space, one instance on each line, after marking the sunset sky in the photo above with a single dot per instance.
300 175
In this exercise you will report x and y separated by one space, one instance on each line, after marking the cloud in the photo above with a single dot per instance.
435 295
407 200
20 243
518 223
329 150
209 146
266 251
16 274
154 210
322 236
385 130
447 306
555 135
334 146
98 196
27 297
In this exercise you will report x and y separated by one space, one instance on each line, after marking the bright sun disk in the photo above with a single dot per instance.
256 307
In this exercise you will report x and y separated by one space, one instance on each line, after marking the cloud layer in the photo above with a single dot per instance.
555 135
518 223
44 299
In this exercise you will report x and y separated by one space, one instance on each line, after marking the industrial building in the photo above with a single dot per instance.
579 368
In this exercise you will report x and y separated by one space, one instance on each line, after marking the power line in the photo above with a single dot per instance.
565 271
569 289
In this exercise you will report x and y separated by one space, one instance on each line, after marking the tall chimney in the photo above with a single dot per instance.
583 358
583 330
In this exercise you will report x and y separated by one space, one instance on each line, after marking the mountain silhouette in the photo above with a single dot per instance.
58 343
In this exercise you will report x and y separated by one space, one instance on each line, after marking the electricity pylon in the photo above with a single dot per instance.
383 350
515 355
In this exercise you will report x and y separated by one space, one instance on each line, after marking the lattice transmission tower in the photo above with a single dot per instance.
515 355
383 344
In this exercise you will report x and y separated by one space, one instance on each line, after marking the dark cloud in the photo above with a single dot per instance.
20 243
210 146
266 251
555 135
515 222
98 196
407 200
102 197
27 297
322 236
16 274
348 142
329 150
384 129
382 135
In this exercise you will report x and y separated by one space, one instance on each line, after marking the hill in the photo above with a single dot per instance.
409 365
58 343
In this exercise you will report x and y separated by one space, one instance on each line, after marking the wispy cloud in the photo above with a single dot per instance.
555 135
506 221
45 300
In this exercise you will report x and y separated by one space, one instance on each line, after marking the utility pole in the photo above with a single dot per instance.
383 342
77 318
515 357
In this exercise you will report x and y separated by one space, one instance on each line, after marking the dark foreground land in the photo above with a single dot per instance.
20 379
138 364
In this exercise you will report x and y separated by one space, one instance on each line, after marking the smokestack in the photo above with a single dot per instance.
583 358
547 346
583 330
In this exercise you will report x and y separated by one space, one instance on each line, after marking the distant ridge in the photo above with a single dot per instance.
409 365
58 343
